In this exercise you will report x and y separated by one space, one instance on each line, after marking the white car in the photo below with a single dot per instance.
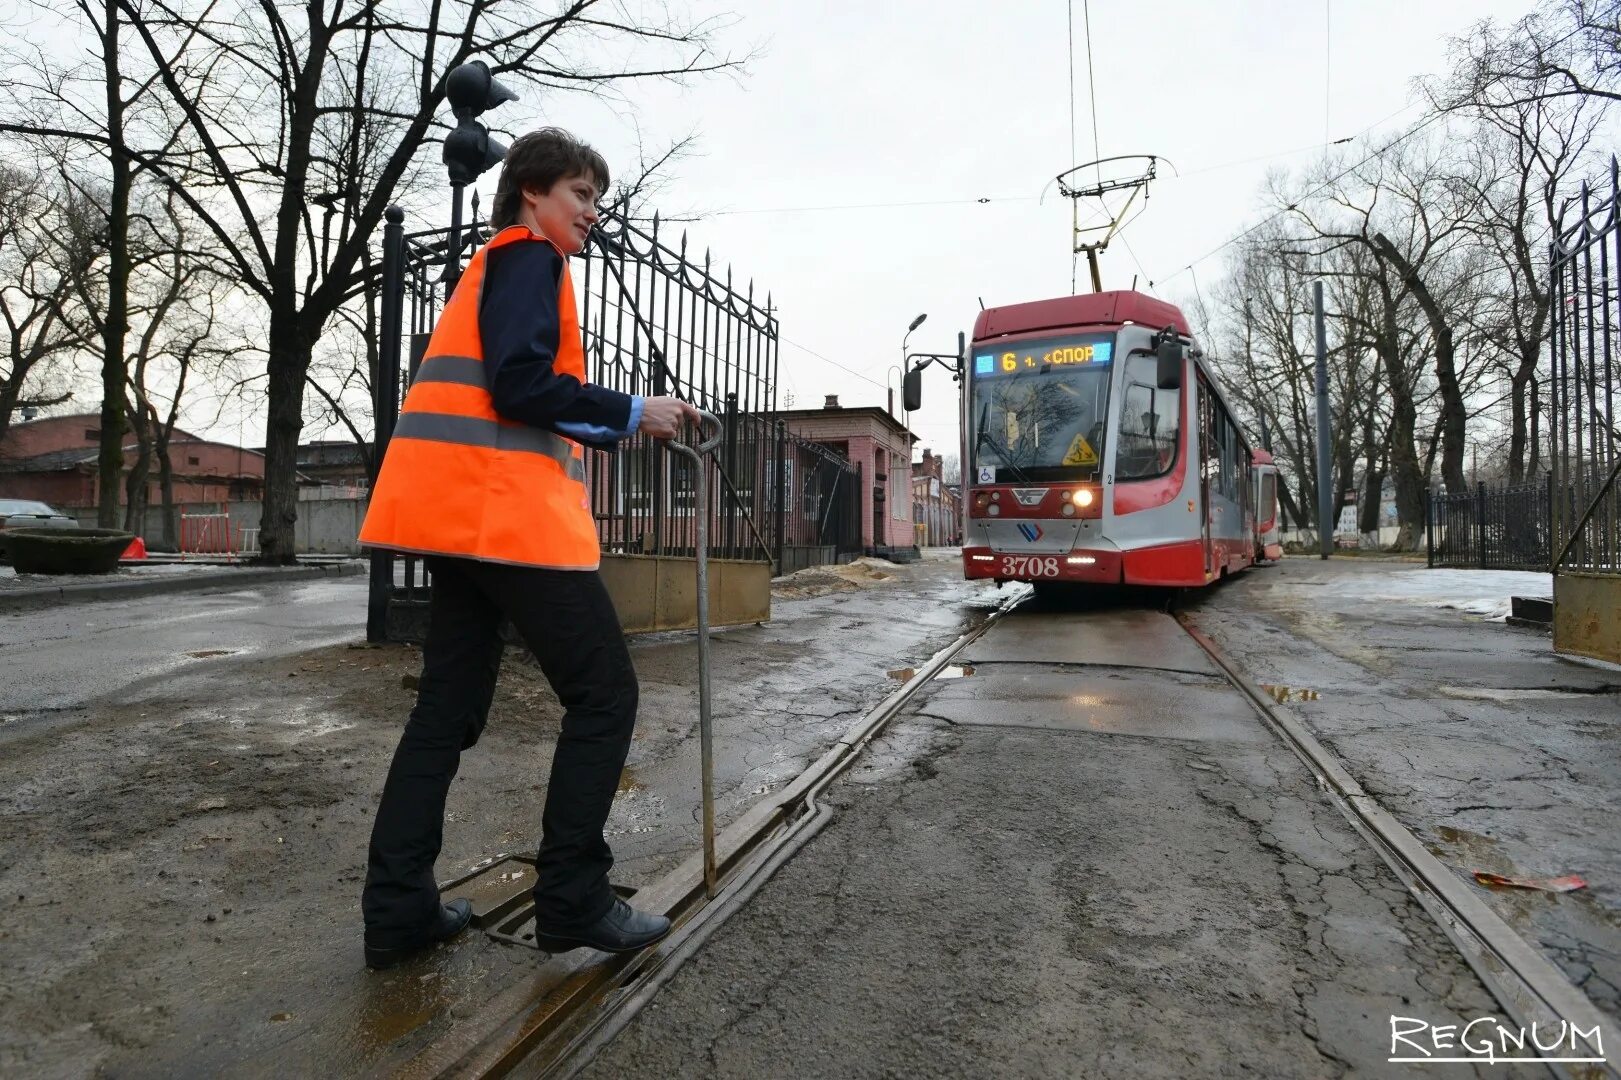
29 514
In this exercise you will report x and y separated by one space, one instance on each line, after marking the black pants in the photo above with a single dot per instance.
568 621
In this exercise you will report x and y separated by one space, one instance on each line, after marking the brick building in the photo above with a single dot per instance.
881 447
936 506
54 460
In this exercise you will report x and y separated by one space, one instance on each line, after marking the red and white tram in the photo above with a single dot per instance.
1097 447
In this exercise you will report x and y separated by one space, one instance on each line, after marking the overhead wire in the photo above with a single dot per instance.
1328 60
826 360
1069 8
1423 123
985 200
1092 86
1092 106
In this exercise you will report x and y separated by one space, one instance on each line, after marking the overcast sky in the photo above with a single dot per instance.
950 101
941 103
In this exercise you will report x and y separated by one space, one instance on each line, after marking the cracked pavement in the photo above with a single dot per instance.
1087 858
1498 754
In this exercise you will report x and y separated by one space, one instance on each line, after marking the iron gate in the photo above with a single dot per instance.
1504 528
1585 263
655 321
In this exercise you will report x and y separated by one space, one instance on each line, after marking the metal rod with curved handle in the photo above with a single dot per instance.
700 490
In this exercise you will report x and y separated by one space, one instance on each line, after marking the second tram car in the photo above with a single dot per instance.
1097 447
1268 546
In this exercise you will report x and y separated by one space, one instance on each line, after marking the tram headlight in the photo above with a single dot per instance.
994 511
1067 510
1084 497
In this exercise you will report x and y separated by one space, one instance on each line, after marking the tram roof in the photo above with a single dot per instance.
1091 309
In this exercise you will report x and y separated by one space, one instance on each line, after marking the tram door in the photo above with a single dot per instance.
1209 462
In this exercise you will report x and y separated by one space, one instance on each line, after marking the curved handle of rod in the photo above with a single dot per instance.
706 446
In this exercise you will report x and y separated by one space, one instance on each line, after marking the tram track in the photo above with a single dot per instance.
560 1033
1529 987
552 1030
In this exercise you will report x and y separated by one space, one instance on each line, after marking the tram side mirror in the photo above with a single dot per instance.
1168 351
912 390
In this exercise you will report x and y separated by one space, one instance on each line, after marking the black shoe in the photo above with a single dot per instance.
623 929
453 919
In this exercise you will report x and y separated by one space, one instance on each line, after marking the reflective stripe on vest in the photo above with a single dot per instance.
491 435
458 479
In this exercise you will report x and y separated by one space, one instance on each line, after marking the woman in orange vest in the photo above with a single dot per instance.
485 476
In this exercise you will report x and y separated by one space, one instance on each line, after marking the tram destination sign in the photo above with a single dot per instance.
1043 355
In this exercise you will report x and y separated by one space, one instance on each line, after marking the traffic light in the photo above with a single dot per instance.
469 150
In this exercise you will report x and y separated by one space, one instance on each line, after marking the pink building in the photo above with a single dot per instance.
936 506
881 447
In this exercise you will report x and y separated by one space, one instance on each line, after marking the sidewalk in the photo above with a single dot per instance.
20 591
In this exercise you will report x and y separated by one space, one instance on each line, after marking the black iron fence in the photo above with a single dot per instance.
1586 266
1506 528
655 321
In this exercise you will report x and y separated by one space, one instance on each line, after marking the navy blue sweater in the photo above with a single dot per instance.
518 323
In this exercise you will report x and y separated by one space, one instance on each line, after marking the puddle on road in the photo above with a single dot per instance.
1285 694
950 671
203 654
298 723
629 784
393 1007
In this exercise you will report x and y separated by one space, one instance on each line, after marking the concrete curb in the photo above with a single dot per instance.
231 578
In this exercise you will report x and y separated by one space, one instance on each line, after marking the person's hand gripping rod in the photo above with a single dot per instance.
706 734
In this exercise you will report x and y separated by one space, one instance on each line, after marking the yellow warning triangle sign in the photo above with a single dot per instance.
1080 452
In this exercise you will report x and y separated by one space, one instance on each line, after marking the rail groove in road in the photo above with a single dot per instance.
548 1026
554 1030
1528 986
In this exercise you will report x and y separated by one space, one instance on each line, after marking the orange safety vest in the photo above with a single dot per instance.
459 480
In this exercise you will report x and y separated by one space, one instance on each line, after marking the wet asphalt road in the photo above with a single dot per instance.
65 656
1087 858
1034 875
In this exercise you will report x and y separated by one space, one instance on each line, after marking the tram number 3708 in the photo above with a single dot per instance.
1029 566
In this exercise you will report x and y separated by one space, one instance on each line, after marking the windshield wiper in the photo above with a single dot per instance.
981 437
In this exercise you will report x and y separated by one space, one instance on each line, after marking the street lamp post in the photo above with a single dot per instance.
917 322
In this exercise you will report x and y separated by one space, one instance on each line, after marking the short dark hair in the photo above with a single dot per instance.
538 160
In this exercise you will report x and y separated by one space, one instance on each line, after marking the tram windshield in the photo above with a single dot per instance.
1039 409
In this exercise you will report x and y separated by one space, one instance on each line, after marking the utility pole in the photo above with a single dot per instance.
1325 485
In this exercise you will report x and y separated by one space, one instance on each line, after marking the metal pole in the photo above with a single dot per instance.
781 481
1480 522
1325 469
1429 529
453 242
700 486
386 404
1547 517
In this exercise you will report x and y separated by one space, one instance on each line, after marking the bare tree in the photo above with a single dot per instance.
176 292
1531 140
1568 49
1411 206
298 125
41 268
